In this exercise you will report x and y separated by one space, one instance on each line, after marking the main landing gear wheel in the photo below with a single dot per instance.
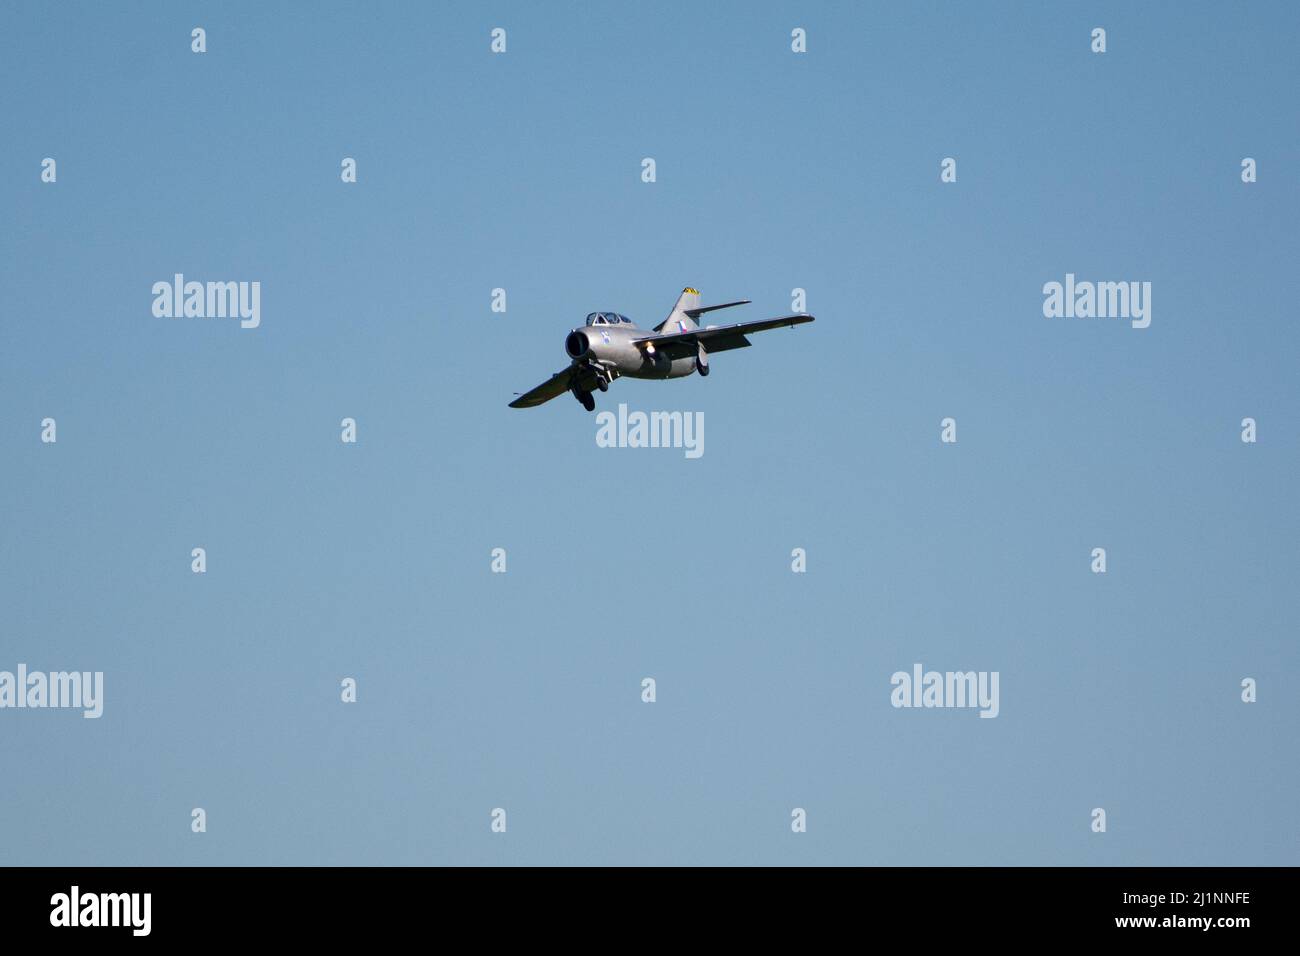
588 401
603 385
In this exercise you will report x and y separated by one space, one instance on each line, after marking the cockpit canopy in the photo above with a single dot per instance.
608 318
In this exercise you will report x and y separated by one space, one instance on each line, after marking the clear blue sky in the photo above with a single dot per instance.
522 690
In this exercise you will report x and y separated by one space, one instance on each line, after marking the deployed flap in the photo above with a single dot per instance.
725 343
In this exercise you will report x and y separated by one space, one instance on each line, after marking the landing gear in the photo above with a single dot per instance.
602 385
586 398
701 359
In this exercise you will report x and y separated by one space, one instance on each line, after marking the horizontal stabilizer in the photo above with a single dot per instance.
696 313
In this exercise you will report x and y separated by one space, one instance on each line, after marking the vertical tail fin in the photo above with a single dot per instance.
678 320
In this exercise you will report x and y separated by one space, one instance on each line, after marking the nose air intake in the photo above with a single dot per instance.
576 344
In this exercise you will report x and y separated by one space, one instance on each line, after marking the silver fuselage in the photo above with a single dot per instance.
611 347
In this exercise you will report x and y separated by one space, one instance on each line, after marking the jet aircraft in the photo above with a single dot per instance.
610 346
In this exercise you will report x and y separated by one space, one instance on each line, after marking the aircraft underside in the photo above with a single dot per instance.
599 376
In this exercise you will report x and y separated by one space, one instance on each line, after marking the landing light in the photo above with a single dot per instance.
649 348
